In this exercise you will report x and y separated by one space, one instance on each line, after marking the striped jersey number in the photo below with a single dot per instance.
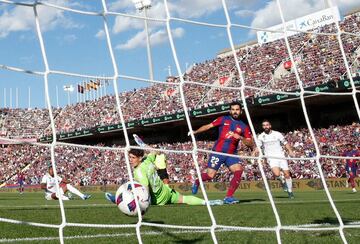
214 160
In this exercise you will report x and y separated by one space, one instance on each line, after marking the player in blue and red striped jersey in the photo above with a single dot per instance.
351 165
20 180
231 131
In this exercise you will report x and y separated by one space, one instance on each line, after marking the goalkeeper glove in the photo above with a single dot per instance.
160 165
160 162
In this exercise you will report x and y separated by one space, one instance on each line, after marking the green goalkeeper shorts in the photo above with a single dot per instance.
167 196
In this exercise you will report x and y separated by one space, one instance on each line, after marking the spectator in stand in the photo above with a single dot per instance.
88 166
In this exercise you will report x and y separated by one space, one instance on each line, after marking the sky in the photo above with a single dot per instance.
76 43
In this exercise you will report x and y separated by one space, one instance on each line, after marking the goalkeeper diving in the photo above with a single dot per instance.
150 171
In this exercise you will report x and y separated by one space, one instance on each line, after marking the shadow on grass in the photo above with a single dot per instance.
252 200
330 220
178 239
281 197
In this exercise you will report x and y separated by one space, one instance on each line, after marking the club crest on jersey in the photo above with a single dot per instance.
238 130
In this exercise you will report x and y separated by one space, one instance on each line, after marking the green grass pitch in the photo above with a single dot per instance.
254 211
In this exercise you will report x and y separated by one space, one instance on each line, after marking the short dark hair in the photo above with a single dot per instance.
235 103
137 152
265 120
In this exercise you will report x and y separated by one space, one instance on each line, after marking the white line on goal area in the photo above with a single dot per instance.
94 205
151 233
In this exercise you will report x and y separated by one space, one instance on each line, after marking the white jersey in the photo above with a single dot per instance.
50 182
272 143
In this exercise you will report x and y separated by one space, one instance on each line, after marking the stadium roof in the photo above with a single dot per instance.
226 51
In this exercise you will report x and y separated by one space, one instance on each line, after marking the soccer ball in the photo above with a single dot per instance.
125 198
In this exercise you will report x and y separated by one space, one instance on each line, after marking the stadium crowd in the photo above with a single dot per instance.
93 166
318 59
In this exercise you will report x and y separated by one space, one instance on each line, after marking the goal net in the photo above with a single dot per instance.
236 80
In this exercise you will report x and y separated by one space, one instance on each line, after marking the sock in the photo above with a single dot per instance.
289 184
204 177
234 183
63 197
75 191
191 200
352 181
281 179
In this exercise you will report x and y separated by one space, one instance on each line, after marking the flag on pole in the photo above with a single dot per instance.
88 86
80 89
93 85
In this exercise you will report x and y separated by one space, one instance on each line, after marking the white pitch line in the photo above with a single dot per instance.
109 204
150 233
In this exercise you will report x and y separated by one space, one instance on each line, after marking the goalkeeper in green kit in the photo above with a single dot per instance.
150 171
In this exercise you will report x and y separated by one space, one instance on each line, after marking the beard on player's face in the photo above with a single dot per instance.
235 115
267 129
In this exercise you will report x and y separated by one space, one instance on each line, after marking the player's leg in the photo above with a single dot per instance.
285 167
276 170
352 174
19 189
70 188
237 170
190 200
214 164
54 196
288 181
110 197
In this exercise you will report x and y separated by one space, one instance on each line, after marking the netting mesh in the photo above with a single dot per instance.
240 87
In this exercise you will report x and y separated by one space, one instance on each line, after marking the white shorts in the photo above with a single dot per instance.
48 195
280 163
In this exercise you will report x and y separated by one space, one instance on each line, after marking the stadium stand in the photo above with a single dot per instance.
101 167
318 59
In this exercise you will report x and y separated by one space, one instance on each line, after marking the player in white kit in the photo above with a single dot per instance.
48 183
271 143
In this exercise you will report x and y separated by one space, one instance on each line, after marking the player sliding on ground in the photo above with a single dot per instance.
48 182
271 143
231 131
351 164
150 171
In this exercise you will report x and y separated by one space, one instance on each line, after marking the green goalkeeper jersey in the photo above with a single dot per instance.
146 174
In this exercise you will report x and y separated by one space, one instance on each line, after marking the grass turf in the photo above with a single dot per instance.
254 211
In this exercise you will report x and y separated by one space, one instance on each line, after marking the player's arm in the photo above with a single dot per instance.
64 181
249 142
203 128
287 145
160 165
290 150
207 127
246 139
255 151
344 159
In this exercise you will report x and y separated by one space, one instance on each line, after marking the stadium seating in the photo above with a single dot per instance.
318 58
93 166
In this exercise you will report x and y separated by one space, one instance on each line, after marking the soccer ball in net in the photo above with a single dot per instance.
125 198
